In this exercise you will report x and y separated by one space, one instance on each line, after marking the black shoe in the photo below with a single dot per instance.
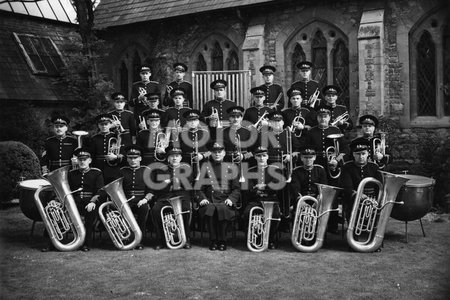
187 245
85 249
378 250
212 246
139 247
222 247
272 246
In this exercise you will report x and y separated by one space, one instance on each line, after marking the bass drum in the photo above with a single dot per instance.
27 188
417 194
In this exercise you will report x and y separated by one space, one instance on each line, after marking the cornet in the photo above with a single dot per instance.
313 98
333 153
116 120
162 142
215 116
174 130
344 118
142 123
257 124
379 144
142 93
114 145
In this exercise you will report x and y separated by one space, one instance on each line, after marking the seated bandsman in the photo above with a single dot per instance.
176 177
218 196
123 119
257 114
152 140
274 96
88 199
295 113
134 185
58 149
377 150
238 140
174 115
180 70
193 141
338 112
265 182
354 171
106 151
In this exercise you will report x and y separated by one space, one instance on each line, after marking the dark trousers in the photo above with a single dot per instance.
141 215
89 220
156 216
217 229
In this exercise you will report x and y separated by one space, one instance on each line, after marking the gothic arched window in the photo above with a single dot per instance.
341 71
319 58
217 58
136 64
426 77
233 61
123 78
297 56
200 64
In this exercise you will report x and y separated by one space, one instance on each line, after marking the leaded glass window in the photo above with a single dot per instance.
426 76
340 71
233 61
217 58
297 56
319 58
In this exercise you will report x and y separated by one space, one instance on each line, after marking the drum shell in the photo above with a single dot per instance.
26 198
417 198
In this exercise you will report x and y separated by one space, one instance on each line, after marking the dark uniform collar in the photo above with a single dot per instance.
85 171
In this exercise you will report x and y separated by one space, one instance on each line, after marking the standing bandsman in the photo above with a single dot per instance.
265 182
235 132
377 151
58 149
218 196
174 115
140 89
254 113
134 185
219 105
152 140
177 179
87 200
296 111
306 85
123 119
106 149
180 70
338 112
272 91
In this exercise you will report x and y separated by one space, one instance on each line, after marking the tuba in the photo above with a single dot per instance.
310 223
118 219
259 227
370 215
173 224
61 216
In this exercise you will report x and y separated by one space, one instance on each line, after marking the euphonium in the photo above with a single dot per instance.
61 216
259 226
333 153
118 218
370 215
173 226
310 223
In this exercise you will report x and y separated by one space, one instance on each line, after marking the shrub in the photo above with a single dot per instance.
18 163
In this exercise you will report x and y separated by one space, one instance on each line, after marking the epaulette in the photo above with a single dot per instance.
272 166
146 167
317 165
129 111
125 167
96 169
153 81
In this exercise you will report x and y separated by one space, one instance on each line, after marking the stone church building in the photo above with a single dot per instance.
391 58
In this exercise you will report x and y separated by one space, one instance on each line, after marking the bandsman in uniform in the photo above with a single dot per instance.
107 155
296 110
123 119
134 185
219 104
331 93
140 89
152 140
306 85
265 183
254 113
177 178
153 100
180 70
58 149
377 155
220 191
174 115
274 96
87 200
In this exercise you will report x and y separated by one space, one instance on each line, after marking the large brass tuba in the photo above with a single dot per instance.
370 215
118 218
61 216
259 226
173 225
310 223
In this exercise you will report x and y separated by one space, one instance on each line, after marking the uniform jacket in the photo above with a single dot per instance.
304 181
352 175
126 118
134 182
58 152
266 176
91 181
186 86
272 92
140 106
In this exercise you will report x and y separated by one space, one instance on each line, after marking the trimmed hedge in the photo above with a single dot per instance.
17 162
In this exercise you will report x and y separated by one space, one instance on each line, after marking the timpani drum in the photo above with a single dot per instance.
417 194
26 197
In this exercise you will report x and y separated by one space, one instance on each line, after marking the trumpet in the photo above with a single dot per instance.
118 218
173 224
78 134
162 142
333 153
118 123
215 116
142 93
313 98
257 124
194 157
370 215
311 219
233 160
142 123
259 226
114 145
61 216
169 88
344 118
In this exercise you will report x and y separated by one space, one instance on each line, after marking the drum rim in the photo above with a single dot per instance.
418 181
41 180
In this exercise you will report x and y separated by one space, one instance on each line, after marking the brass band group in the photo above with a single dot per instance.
277 165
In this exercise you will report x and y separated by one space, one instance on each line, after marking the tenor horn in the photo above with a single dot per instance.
114 145
311 219
259 226
332 152
118 219
370 215
173 225
61 215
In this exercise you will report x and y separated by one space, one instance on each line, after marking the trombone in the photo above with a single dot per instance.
344 118
238 161
290 164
